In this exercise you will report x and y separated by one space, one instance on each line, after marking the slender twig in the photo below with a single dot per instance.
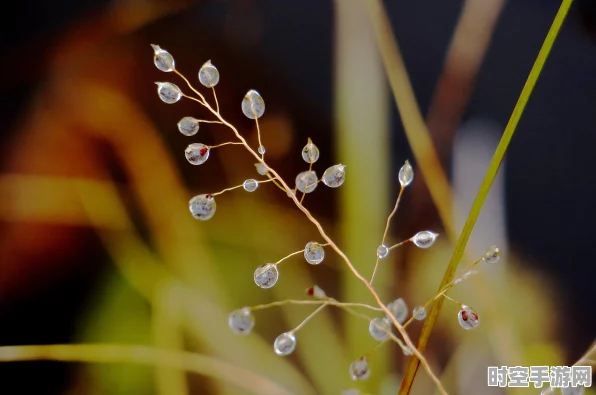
401 191
215 98
485 187
401 243
332 302
311 316
222 144
259 134
239 186
295 253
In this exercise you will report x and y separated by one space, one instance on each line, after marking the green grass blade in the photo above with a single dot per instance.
485 187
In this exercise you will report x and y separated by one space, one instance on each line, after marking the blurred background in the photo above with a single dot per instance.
97 244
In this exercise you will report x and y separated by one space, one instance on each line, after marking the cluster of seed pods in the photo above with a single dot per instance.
203 207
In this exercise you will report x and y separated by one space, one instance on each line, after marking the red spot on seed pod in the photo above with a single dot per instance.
310 291
464 315
203 151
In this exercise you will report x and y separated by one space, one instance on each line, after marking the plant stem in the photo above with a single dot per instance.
209 366
485 187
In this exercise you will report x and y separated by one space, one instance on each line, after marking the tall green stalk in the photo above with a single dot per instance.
485 187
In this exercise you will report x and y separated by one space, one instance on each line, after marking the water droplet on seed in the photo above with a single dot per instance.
208 75
253 105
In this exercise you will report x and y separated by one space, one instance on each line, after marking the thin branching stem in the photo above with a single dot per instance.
334 246
215 98
222 144
310 317
239 186
295 253
401 191
329 301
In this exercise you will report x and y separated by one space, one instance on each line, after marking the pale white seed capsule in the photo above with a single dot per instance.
314 253
492 254
359 369
241 321
424 239
335 176
310 152
419 313
208 75
250 185
197 153
382 251
162 59
266 276
261 169
316 292
285 344
399 309
379 328
253 105
188 126
307 181
168 92
407 351
406 174
202 207
261 150
468 318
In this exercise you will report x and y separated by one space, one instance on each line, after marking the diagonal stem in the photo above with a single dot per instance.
485 187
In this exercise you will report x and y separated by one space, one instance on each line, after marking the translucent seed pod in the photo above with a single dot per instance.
379 328
162 59
419 313
424 239
359 369
261 169
307 181
492 254
314 253
188 126
241 321
316 292
168 92
335 176
399 309
310 152
208 75
407 351
202 207
250 185
266 276
253 105
261 150
197 153
406 175
382 251
468 318
285 344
